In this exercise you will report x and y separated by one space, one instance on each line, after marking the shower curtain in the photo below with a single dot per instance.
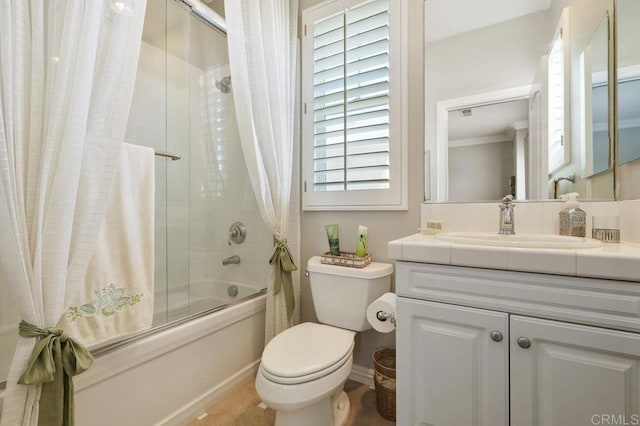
262 56
67 70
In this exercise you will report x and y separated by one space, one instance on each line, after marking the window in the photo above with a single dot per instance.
353 150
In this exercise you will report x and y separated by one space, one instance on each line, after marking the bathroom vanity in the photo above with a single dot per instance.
502 345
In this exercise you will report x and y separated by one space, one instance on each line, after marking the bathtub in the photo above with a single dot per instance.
170 377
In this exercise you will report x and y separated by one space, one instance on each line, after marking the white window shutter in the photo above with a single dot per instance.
559 89
556 105
351 99
349 124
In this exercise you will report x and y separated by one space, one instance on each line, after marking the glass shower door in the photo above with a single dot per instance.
183 104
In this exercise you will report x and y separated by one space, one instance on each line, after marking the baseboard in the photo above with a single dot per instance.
186 413
361 374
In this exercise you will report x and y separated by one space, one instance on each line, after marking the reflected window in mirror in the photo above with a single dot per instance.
556 104
600 131
558 72
629 120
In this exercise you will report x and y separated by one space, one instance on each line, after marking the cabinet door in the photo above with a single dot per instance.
450 371
573 375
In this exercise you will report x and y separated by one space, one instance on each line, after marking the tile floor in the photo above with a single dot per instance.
241 409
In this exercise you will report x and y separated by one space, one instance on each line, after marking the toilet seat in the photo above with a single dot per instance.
307 377
306 352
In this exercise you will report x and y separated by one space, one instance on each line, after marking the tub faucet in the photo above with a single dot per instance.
235 259
507 225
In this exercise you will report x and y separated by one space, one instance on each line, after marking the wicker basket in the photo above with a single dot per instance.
384 361
346 259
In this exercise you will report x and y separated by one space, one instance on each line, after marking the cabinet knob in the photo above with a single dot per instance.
524 343
496 336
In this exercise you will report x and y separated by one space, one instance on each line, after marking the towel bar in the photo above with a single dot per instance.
171 155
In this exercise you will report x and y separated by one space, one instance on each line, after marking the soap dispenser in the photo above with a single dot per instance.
572 219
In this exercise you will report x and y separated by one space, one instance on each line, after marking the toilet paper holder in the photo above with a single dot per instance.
383 316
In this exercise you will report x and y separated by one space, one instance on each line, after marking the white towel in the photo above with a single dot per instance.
117 299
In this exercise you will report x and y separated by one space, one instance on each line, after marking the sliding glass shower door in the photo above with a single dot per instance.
183 104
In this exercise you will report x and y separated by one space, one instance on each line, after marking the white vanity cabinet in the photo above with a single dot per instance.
449 369
489 347
572 374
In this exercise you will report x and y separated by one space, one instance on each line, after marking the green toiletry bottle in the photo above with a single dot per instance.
361 248
333 235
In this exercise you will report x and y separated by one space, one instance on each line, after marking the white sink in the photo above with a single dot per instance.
543 241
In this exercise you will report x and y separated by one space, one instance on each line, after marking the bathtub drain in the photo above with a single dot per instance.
232 290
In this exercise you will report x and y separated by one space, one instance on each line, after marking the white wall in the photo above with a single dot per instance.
627 178
480 171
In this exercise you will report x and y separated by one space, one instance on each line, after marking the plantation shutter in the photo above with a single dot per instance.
556 104
351 99
559 90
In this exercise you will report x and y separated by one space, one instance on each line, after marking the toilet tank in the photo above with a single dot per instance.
342 294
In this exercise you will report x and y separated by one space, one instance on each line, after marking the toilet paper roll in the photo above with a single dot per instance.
386 304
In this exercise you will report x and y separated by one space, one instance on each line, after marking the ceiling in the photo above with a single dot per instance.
445 18
488 123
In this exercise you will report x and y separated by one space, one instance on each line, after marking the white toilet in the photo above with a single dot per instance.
304 368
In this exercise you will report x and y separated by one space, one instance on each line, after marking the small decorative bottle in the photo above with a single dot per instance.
573 219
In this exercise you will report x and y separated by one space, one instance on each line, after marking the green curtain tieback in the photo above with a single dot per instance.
284 265
55 359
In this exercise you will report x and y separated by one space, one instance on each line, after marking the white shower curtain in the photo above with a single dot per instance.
67 70
262 56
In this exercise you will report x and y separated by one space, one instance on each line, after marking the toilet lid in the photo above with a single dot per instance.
305 352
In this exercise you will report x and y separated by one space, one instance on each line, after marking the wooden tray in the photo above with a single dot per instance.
346 259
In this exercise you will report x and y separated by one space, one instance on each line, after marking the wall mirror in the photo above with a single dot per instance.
628 76
594 63
479 55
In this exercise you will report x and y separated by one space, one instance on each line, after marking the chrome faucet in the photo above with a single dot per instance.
507 225
235 259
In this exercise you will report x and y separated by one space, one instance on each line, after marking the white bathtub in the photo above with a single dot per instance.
170 377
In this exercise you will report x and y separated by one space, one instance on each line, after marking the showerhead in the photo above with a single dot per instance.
224 85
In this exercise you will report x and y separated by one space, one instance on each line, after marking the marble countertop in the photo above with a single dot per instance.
609 261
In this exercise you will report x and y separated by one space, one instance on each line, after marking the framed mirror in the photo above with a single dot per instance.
594 63
628 81
497 52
